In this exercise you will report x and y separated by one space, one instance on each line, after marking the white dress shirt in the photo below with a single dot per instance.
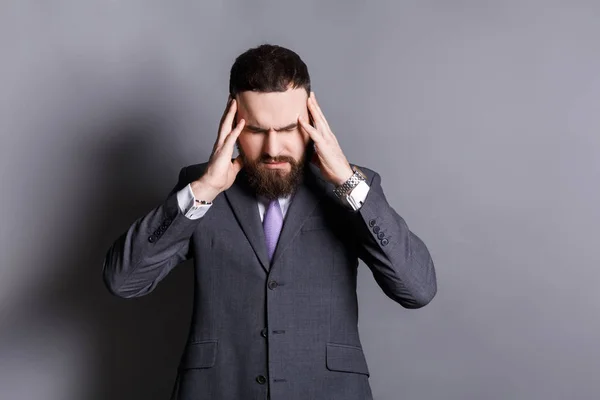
188 206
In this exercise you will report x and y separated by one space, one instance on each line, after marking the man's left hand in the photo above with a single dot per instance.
329 156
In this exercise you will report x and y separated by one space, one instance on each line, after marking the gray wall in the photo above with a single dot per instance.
482 117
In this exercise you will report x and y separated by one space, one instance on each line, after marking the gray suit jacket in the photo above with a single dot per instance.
287 328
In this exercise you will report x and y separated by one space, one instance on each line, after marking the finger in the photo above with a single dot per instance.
231 108
319 122
314 134
324 125
317 112
229 98
229 142
311 118
218 142
227 122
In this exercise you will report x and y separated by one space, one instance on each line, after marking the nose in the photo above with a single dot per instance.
272 145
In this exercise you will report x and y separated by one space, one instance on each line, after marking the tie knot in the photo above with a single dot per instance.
274 205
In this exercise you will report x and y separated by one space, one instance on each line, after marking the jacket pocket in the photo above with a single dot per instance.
199 355
345 358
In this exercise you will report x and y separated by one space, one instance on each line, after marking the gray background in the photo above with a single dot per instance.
482 118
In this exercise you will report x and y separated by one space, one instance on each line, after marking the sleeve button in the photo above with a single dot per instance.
152 239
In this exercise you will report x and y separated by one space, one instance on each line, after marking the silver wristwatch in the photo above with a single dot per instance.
356 182
345 188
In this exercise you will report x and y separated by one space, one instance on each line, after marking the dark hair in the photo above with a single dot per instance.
268 68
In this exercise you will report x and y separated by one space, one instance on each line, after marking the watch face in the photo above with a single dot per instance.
358 195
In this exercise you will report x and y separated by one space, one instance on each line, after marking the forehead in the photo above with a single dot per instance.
270 110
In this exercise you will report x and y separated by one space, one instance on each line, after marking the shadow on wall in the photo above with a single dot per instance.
139 341
118 349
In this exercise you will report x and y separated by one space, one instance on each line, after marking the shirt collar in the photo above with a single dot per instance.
266 201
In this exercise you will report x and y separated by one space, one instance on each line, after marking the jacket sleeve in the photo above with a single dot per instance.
399 260
152 246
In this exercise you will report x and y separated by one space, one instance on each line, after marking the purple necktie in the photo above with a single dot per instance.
272 223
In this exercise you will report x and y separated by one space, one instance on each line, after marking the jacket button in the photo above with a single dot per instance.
152 239
380 235
272 285
263 333
384 242
261 379
376 229
372 222
167 221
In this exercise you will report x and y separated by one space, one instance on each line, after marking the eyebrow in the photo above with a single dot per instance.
285 128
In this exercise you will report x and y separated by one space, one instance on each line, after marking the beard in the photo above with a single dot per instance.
273 183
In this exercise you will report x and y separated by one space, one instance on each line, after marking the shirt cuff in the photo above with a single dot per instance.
187 204
358 195
356 198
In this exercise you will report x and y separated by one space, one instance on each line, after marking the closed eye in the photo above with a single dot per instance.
255 129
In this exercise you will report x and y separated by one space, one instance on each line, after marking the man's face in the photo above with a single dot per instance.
272 143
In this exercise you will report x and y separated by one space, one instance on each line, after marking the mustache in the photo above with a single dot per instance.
266 159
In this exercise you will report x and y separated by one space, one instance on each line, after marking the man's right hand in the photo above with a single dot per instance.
221 171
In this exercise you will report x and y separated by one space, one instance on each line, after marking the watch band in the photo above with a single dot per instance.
345 188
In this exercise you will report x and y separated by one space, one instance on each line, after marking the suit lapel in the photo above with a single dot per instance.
244 204
302 204
245 207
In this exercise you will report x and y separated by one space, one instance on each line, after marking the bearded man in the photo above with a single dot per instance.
276 235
